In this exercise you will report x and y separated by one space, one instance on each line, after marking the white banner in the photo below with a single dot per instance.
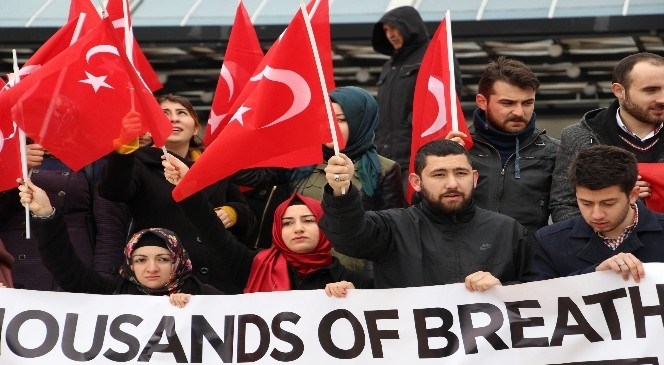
589 319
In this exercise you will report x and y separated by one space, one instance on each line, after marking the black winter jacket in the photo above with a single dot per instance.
417 246
396 84
525 199
234 260
138 179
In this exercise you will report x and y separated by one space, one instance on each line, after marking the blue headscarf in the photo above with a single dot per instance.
361 111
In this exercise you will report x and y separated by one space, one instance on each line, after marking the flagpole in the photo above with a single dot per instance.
24 152
321 77
450 62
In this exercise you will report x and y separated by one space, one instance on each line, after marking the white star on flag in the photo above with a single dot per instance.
215 120
239 114
96 81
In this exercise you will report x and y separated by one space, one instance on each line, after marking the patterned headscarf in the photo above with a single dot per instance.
179 255
269 271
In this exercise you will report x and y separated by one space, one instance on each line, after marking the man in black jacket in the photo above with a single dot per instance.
444 239
514 159
402 35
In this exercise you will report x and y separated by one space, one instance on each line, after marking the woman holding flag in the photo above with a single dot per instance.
134 175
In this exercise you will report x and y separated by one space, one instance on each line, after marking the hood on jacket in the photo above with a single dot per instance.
410 24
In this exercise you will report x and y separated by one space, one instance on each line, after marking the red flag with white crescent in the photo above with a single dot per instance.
74 105
435 97
277 124
243 55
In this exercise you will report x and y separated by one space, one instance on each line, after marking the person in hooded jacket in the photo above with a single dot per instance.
155 263
401 34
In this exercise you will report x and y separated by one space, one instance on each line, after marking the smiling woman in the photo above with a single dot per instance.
134 175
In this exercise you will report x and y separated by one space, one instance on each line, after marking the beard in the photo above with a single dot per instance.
438 202
502 125
641 114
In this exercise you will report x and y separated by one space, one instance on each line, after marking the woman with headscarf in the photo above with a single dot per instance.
300 257
135 176
378 178
155 263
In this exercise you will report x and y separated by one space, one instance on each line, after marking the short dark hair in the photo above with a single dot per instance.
508 70
600 167
438 148
624 67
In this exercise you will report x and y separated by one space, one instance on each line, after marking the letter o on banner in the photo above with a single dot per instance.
325 334
51 339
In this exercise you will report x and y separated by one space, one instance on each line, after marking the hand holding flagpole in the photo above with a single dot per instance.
321 76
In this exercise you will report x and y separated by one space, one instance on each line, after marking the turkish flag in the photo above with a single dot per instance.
74 104
654 174
276 125
432 102
243 55
116 12
320 22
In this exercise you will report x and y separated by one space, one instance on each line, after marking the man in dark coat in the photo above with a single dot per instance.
514 159
445 239
633 122
614 232
402 35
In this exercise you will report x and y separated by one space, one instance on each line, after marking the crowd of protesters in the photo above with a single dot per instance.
481 217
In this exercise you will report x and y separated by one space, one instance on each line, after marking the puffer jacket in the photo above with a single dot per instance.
417 246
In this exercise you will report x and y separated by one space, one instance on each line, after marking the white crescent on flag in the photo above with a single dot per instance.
437 88
226 75
102 48
296 83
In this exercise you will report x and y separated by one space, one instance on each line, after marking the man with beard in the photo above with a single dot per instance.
615 230
515 160
632 122
442 240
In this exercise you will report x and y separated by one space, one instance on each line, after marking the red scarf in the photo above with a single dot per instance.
269 271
